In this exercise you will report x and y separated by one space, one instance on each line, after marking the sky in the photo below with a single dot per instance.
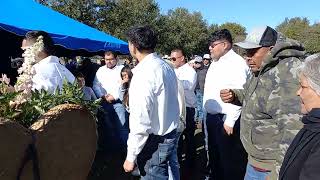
248 13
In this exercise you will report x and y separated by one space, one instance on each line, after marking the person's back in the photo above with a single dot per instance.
163 87
50 74
154 109
201 77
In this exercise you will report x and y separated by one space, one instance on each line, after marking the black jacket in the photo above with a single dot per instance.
201 76
302 160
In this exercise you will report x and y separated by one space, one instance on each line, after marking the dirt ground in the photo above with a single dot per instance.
108 164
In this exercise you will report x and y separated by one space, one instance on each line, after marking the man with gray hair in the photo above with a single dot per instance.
270 109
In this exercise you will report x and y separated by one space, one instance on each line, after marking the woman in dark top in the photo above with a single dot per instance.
302 160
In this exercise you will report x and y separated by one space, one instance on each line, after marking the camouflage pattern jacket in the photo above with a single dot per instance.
270 116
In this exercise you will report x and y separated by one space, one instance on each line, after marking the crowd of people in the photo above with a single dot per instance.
259 110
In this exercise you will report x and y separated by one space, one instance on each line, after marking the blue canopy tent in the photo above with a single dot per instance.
20 16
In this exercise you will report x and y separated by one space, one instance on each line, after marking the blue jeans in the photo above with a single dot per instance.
252 174
155 157
174 164
199 110
117 121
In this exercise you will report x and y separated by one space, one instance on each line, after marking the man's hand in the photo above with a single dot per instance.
229 130
128 166
227 95
109 98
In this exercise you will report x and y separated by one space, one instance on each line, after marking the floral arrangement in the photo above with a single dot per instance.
24 105
26 71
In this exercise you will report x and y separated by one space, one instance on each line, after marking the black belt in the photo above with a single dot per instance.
161 138
218 114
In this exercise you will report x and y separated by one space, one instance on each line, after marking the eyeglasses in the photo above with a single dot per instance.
212 45
109 59
175 58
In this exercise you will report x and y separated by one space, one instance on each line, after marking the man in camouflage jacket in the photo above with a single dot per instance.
270 109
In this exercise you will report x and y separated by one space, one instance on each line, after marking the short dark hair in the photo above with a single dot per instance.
222 34
47 40
78 75
111 52
143 38
178 50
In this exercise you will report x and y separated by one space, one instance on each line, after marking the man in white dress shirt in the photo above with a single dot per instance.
154 109
188 77
50 74
106 85
227 157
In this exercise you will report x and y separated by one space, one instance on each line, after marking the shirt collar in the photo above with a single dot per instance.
227 55
184 66
115 67
49 59
144 61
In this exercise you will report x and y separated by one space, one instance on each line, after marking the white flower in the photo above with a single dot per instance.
26 71
5 79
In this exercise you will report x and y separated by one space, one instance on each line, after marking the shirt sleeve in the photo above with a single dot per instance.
288 119
122 90
47 84
188 80
97 88
93 96
141 104
233 114
233 111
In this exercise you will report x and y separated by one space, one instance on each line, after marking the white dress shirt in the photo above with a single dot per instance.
108 81
188 77
153 102
182 107
50 74
229 72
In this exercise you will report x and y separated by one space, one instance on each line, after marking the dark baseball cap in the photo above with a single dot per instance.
263 36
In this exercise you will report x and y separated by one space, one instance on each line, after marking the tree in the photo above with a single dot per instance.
85 11
312 43
112 16
237 31
124 14
184 30
212 28
300 29
294 28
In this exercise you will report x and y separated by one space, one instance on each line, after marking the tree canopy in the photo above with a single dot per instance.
178 28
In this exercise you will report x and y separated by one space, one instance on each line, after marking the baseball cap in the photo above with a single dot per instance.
259 37
206 56
198 59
